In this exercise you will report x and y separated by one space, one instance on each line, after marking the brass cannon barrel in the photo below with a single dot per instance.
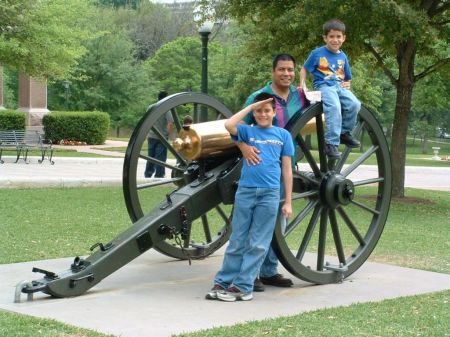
202 140
211 139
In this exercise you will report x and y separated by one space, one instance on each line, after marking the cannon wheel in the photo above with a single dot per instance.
211 230
337 219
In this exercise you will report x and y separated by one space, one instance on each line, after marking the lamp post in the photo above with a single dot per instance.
204 32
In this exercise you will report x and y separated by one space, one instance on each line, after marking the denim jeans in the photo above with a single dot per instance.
270 265
158 151
340 107
254 216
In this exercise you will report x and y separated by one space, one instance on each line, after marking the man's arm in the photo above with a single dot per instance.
286 174
303 76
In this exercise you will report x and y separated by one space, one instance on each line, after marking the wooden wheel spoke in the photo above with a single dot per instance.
309 157
357 132
337 236
364 207
360 160
351 226
169 146
161 163
308 233
321 143
223 215
322 239
299 218
297 196
305 177
206 228
159 182
176 120
368 181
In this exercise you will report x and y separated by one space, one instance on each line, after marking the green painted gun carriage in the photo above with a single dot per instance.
340 206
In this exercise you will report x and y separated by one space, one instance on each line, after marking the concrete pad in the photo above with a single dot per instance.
157 296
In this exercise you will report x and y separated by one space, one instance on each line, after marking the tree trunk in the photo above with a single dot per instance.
424 145
405 59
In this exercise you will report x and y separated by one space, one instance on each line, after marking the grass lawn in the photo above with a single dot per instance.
416 235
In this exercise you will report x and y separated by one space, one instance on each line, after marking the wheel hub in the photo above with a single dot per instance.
336 190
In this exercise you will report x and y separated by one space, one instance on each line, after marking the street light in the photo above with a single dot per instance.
204 32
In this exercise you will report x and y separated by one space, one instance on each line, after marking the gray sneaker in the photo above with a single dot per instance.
212 294
234 294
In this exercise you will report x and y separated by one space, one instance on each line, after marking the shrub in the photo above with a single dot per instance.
90 127
12 120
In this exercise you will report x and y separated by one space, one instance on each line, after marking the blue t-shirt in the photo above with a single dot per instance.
273 143
328 67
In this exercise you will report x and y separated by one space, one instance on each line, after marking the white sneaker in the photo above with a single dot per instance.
234 294
212 294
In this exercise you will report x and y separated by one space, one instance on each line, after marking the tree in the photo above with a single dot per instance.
44 38
107 78
152 25
408 41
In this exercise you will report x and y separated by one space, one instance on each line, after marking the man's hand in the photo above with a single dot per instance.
346 85
250 153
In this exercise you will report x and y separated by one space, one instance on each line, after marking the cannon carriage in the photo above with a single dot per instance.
339 211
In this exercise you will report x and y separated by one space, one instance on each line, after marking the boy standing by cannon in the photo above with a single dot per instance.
332 76
257 200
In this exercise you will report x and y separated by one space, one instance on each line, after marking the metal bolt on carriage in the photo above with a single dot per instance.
340 207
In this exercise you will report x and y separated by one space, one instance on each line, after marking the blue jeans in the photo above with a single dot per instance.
254 216
156 150
340 107
270 265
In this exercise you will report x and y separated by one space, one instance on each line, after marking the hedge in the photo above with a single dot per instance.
12 120
91 127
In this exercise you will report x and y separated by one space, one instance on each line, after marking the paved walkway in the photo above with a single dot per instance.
84 171
156 296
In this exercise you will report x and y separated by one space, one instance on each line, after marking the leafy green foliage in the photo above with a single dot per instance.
407 41
12 120
152 25
89 127
176 66
108 77
43 38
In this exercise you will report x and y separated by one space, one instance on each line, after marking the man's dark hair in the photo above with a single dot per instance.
162 94
282 57
333 24
263 96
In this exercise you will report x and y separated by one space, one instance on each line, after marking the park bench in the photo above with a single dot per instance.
22 141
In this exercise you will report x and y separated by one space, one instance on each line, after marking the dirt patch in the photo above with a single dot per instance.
413 200
404 200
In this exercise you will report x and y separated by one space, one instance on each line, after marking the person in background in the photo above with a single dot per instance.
156 148
187 120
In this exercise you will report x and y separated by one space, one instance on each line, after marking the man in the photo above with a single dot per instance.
156 149
288 102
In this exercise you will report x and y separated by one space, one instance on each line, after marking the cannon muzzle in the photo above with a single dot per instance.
203 140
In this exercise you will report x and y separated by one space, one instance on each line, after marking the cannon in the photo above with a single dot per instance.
340 206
